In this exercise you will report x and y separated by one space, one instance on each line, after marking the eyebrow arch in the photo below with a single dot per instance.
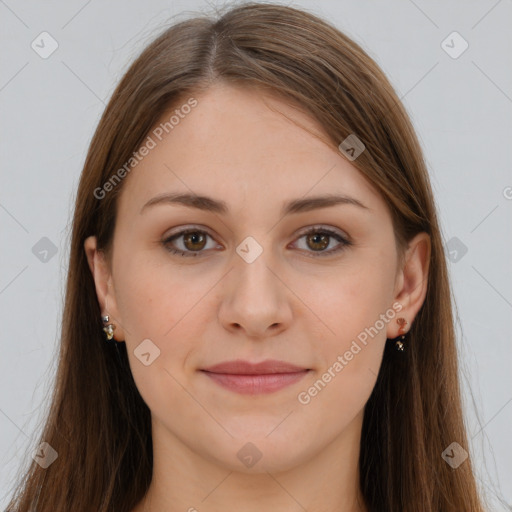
206 203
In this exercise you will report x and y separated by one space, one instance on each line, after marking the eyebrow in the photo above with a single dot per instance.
209 204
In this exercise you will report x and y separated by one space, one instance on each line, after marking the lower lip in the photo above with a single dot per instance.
255 384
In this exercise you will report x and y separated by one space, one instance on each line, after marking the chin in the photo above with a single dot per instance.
259 453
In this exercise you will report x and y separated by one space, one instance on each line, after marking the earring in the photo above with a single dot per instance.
108 328
402 322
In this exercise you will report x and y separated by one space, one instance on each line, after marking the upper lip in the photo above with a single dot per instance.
241 367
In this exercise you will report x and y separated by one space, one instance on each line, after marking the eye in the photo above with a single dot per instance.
195 240
318 238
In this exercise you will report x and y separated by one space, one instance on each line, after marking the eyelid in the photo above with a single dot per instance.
332 232
188 228
323 228
181 231
340 236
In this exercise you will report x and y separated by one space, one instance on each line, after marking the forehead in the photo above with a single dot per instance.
245 147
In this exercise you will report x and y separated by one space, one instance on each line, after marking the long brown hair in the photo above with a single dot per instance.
98 423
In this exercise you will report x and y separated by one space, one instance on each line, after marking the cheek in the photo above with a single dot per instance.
153 298
170 307
349 300
152 308
352 310
349 350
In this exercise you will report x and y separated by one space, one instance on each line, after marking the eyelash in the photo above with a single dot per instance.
344 243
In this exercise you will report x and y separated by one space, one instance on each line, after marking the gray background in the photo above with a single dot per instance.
461 108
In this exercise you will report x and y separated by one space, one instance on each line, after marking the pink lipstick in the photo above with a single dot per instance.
255 378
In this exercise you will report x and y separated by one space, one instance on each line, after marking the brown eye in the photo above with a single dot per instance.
190 242
318 241
194 241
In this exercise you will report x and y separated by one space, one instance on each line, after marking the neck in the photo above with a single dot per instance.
185 481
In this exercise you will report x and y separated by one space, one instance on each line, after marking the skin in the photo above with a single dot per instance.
290 304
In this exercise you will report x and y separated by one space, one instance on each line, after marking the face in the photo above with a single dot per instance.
312 288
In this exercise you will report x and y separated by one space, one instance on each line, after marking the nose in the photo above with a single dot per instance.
255 300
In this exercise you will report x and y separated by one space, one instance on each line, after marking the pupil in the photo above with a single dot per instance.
193 237
323 244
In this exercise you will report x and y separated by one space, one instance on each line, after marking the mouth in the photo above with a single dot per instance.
249 378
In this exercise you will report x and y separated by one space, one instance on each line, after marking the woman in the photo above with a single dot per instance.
258 310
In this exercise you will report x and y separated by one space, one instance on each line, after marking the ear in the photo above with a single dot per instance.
101 272
411 282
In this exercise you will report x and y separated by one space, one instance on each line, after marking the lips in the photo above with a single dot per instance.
241 367
254 378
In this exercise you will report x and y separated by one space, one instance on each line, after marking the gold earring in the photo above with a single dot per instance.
399 345
108 328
